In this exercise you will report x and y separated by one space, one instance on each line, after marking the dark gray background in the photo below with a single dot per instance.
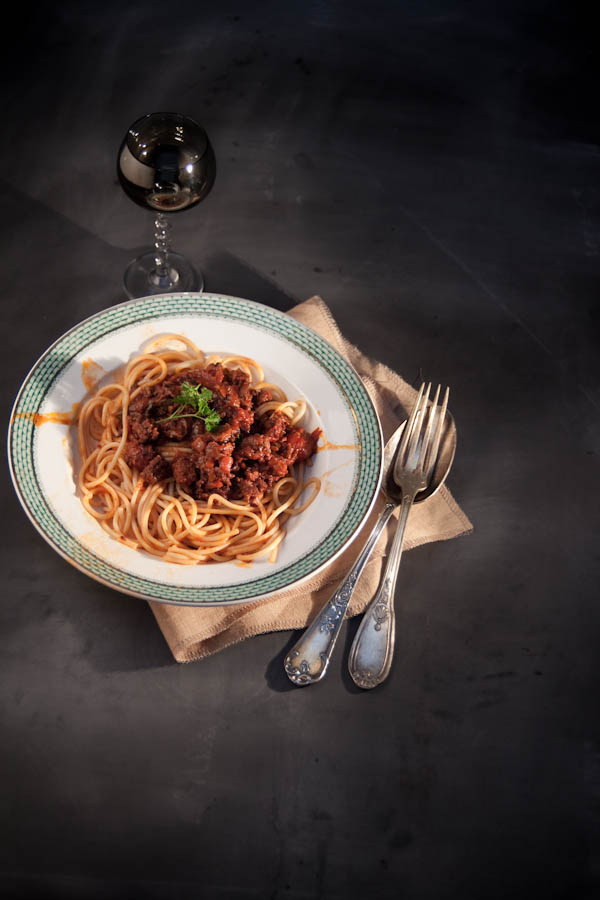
431 170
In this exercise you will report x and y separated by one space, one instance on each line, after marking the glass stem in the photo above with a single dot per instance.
162 230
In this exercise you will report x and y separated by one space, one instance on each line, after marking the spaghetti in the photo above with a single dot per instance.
194 459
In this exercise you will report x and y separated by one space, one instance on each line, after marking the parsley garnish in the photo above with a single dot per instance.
198 400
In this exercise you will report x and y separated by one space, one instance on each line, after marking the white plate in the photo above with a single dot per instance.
43 457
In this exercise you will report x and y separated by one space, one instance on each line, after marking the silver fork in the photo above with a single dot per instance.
372 650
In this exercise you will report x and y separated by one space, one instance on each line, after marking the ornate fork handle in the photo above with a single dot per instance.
373 646
308 659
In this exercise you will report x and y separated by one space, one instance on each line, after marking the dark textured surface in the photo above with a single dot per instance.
432 171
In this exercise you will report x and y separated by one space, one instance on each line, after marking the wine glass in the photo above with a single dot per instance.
165 163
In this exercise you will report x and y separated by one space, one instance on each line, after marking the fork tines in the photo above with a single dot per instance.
420 442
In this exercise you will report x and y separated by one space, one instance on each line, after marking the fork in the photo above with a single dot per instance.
372 650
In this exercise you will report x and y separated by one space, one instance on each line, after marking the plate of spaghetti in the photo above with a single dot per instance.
195 449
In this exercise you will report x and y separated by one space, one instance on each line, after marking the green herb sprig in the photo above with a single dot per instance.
198 398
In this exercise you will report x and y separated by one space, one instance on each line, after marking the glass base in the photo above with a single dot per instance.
141 278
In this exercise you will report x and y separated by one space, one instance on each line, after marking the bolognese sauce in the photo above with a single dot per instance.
240 458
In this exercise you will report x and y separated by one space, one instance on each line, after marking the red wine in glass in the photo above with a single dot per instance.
166 164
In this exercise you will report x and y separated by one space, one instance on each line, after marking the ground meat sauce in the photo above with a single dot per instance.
240 460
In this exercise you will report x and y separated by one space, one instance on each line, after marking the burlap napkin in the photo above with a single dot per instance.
193 633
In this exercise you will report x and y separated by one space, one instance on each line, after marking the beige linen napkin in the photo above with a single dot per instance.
193 632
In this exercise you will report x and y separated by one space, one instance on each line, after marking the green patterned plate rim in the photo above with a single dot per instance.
48 369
